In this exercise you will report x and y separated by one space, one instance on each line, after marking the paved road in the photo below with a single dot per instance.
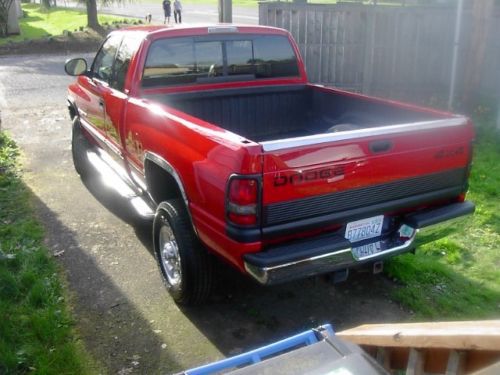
191 14
124 315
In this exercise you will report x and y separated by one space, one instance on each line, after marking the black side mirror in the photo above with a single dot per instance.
75 67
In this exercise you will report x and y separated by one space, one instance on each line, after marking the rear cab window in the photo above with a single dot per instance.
187 60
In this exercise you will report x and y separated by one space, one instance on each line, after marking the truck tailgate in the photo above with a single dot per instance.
350 175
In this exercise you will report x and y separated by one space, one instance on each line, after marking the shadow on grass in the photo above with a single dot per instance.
27 33
106 319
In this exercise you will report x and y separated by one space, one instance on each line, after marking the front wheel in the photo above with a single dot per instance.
185 265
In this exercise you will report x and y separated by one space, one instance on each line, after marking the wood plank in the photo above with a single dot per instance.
476 335
415 362
383 357
456 363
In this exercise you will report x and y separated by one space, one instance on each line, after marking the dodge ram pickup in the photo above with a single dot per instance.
237 155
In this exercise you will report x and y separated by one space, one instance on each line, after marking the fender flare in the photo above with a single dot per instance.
72 107
168 168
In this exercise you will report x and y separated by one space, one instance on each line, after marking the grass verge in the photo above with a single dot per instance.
459 277
40 23
36 333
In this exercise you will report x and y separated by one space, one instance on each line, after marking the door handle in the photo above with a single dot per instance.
380 146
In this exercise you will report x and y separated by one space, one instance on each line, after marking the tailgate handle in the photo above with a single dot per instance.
380 146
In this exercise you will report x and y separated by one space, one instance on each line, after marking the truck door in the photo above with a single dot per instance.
90 103
99 89
115 97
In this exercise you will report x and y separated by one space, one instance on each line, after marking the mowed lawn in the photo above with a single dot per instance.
39 22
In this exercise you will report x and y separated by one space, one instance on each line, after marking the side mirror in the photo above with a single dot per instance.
75 67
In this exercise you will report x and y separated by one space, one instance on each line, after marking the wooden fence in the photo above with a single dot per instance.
393 51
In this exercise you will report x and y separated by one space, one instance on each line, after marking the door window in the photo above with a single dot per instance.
103 62
127 49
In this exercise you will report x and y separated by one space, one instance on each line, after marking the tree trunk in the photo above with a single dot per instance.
92 20
4 17
3 28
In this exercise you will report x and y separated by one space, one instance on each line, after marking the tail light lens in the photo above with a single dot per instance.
242 200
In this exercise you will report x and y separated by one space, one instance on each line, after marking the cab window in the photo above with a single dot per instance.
127 49
103 62
185 60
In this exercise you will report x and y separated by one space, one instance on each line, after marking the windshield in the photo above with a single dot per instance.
187 60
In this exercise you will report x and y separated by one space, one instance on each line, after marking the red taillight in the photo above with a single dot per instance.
242 200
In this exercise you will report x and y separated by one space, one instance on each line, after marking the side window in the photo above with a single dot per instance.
125 52
103 62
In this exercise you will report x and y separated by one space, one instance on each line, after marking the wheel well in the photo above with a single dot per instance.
72 111
162 185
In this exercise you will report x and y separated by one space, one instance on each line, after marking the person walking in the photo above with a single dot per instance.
177 11
167 10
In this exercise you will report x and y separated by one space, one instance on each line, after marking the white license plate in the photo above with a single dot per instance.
367 251
363 229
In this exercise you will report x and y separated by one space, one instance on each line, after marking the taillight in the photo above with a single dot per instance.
242 200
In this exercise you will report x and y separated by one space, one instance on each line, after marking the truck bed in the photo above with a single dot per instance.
278 112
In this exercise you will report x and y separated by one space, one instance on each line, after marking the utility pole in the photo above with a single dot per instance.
225 11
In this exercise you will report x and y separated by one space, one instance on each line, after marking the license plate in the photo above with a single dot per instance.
363 229
367 251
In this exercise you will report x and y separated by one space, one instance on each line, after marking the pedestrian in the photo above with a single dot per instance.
177 11
167 10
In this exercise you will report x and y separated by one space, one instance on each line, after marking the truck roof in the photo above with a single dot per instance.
159 31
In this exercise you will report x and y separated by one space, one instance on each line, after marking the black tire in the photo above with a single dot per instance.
172 232
79 148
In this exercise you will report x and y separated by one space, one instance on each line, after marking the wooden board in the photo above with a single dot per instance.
470 335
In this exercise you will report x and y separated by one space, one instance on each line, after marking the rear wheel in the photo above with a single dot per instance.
186 266
79 148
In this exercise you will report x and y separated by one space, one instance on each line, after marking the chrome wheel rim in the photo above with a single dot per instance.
169 255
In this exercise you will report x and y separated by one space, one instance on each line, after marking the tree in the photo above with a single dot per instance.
4 16
92 20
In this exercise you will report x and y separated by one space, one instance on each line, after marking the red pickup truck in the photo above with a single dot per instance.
219 132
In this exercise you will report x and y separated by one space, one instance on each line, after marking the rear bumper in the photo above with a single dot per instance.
333 252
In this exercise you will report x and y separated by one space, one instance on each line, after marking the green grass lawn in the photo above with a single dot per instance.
459 277
40 23
36 330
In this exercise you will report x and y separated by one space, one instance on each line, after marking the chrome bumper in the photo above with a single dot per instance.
333 253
